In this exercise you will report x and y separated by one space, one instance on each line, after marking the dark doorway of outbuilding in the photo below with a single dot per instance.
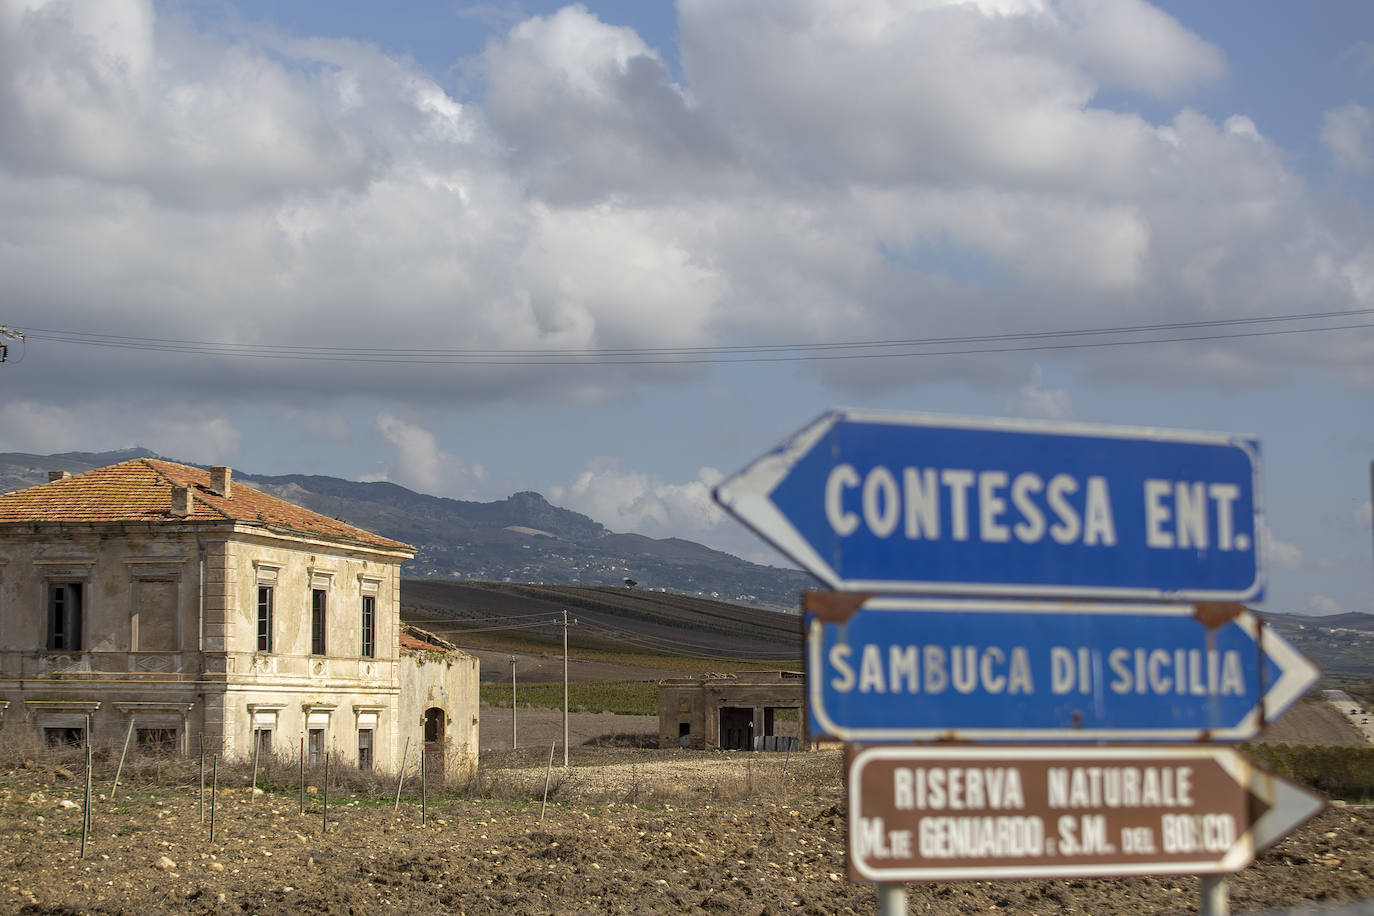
736 728
434 741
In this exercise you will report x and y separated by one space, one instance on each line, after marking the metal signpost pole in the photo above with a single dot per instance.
891 900
1213 891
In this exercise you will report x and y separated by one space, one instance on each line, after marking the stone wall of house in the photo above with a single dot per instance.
447 682
144 606
292 689
132 655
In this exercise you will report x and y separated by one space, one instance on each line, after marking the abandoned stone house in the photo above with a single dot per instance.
751 710
166 602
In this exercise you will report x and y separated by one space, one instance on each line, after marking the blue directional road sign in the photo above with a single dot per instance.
903 669
875 502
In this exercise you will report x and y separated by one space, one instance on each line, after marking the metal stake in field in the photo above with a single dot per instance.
257 746
424 785
325 793
214 793
401 778
547 772
86 805
202 779
302 776
122 755
513 742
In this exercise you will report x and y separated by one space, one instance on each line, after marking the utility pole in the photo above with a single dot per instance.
513 743
565 688
8 333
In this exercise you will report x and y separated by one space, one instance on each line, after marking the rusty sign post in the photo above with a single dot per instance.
970 813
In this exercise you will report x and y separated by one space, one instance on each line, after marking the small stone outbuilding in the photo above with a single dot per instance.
439 690
752 710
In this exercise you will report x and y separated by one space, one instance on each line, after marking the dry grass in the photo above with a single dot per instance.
625 774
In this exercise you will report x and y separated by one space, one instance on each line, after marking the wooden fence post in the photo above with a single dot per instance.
122 754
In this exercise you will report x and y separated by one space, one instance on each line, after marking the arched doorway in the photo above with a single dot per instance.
435 724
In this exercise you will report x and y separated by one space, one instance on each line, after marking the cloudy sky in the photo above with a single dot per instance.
612 251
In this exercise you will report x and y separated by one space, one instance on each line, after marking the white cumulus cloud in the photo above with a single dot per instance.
419 463
1277 553
181 432
817 172
642 503
1348 133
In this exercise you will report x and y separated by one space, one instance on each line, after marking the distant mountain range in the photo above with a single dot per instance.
525 539
522 538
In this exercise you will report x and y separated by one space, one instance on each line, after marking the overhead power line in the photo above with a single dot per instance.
674 645
1065 339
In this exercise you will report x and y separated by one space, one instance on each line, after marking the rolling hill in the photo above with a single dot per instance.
522 538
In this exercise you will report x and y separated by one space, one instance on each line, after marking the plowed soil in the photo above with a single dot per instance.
624 832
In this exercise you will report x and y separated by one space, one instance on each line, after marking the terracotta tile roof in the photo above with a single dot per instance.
412 637
140 490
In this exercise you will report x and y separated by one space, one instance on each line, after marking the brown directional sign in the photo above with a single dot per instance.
986 813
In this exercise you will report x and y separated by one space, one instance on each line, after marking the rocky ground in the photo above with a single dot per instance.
626 831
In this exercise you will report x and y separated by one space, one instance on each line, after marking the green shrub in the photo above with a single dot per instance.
626 698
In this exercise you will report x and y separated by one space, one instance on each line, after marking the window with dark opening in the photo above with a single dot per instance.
315 746
263 738
264 618
317 607
157 740
369 627
64 737
64 616
364 748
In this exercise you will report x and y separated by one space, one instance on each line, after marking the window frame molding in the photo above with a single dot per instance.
321 580
63 571
367 628
373 715
271 634
154 569
370 586
266 574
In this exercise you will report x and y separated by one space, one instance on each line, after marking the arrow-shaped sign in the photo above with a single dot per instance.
961 813
904 669
873 502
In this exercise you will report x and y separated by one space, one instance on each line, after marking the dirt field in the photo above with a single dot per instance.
627 831
542 727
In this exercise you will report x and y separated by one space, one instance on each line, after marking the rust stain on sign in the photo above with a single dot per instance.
1215 614
833 607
